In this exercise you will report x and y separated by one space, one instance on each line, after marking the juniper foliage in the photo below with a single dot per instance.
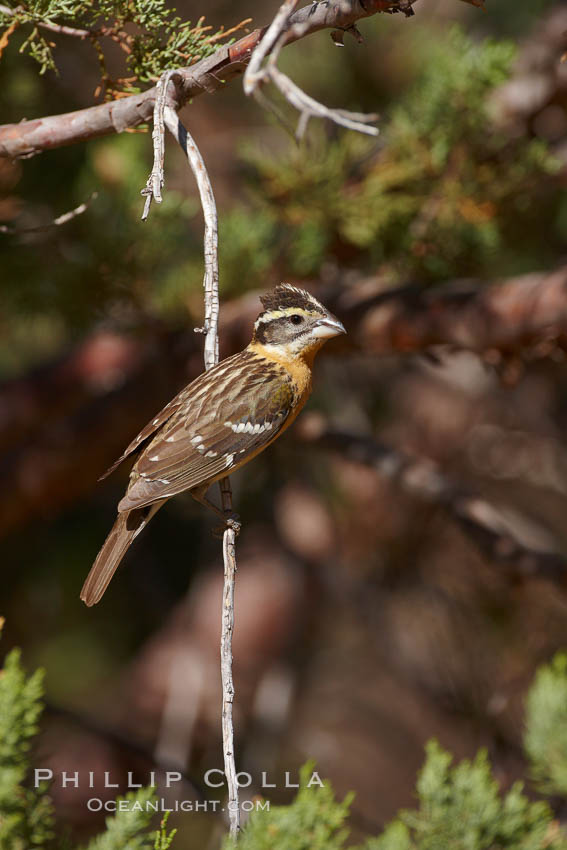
314 821
444 191
27 820
149 32
463 807
545 738
460 806
444 194
26 814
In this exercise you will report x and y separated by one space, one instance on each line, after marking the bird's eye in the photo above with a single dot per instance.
296 320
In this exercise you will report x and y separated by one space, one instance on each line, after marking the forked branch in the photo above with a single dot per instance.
27 138
283 29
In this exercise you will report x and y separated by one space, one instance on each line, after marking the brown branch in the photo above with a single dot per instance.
28 138
500 534
52 420
57 222
6 35
523 316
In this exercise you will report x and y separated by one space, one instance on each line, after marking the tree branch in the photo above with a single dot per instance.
171 120
52 418
272 42
57 222
28 138
523 316
229 558
502 535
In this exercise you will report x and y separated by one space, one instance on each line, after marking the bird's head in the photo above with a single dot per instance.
293 323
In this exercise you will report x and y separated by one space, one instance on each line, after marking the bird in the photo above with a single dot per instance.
220 421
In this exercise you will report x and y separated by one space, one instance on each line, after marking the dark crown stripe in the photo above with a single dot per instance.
286 295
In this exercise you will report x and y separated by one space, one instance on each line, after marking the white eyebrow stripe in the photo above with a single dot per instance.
285 312
269 316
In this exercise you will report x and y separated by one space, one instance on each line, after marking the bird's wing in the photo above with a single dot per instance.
146 432
170 409
223 424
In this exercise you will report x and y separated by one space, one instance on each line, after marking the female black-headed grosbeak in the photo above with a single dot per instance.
220 421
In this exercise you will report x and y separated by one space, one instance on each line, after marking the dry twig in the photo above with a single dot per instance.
27 138
57 222
155 182
166 116
276 36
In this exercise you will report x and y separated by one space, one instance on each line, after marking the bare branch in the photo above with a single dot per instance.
28 138
155 182
57 222
211 357
211 276
229 558
521 316
501 534
272 43
254 74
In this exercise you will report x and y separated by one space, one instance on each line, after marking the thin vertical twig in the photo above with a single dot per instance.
154 184
166 116
211 238
229 558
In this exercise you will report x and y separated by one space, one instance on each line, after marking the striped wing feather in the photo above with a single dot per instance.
170 409
146 432
256 403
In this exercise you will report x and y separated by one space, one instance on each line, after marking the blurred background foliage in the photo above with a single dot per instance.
460 806
368 620
442 192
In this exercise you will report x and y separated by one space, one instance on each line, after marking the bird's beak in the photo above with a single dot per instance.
328 327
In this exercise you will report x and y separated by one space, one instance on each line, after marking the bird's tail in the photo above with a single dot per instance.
127 526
